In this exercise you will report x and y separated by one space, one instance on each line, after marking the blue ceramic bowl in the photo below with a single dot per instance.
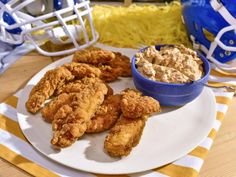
170 94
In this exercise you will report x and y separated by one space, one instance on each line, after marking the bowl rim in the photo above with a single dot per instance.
203 58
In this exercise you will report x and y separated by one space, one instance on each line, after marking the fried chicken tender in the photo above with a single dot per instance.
134 105
56 78
71 120
76 86
93 55
119 66
106 116
124 136
122 63
79 85
127 132
111 64
81 70
46 87
109 74
53 106
110 90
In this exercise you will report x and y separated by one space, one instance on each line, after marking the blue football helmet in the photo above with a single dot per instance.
211 25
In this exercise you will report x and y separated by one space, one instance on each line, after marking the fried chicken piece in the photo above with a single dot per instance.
122 63
81 70
93 55
71 120
50 109
111 64
128 130
120 66
106 116
53 106
46 87
134 105
54 79
110 90
78 85
124 136
109 74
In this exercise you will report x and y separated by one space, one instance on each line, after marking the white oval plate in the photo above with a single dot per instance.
166 137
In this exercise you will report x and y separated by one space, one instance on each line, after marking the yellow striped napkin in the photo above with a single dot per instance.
221 78
17 150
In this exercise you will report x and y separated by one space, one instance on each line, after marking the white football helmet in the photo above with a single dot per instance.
40 21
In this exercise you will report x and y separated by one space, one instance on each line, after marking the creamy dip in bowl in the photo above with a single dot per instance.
168 73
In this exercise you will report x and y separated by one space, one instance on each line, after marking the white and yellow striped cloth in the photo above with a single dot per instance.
17 150
222 78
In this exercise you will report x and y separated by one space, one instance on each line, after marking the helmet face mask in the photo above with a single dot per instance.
68 22
223 46
213 17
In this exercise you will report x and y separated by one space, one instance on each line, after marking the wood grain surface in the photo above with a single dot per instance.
220 162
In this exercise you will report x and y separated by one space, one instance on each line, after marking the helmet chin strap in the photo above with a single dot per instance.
220 8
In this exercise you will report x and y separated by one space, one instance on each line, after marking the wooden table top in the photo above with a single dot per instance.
220 162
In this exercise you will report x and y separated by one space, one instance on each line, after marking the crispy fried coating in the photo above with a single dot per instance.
78 85
93 55
124 136
46 87
122 63
54 79
127 132
109 74
106 116
119 66
53 106
134 105
81 70
71 120
111 64
110 90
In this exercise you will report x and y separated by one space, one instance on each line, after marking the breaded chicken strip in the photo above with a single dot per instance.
48 112
124 136
93 55
81 70
79 85
127 132
111 64
119 66
46 87
134 105
109 74
122 63
110 90
52 107
106 116
54 79
71 120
